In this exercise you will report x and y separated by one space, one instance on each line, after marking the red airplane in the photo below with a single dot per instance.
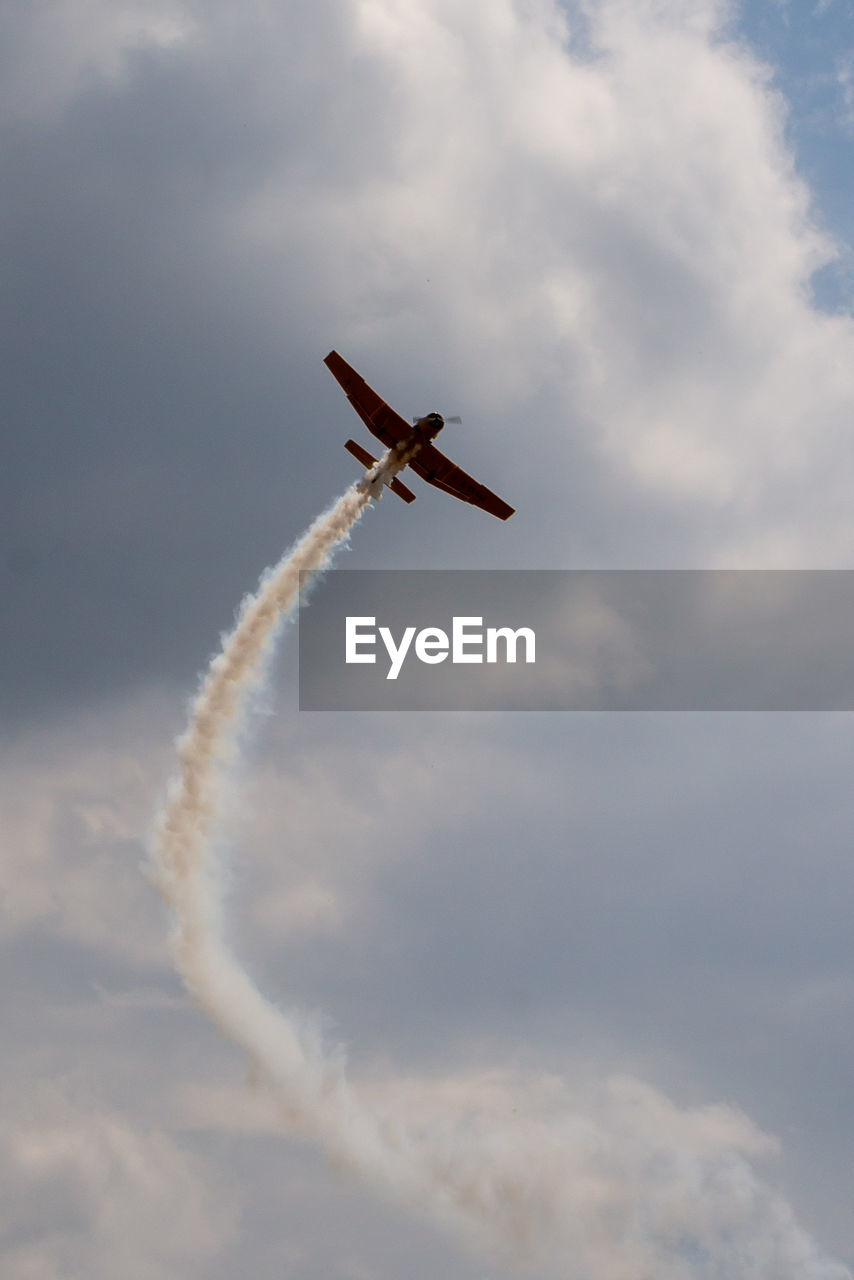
412 442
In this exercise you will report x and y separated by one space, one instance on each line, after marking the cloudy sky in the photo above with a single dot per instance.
616 237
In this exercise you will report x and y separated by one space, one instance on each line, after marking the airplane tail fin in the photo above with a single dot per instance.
362 455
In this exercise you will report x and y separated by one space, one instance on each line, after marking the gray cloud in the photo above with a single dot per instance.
203 215
594 246
571 895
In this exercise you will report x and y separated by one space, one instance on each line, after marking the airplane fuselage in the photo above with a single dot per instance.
423 431
428 427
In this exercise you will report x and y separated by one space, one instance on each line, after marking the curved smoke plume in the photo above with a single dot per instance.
621 1185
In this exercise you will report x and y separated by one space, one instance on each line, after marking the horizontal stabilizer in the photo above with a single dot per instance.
398 487
362 455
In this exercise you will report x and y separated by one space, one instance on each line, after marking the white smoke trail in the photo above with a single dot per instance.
620 1185
289 1057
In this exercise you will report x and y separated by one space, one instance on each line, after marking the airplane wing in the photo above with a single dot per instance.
438 470
379 417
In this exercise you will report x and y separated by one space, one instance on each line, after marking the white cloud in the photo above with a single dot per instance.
589 218
845 84
620 234
85 1191
64 46
77 801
